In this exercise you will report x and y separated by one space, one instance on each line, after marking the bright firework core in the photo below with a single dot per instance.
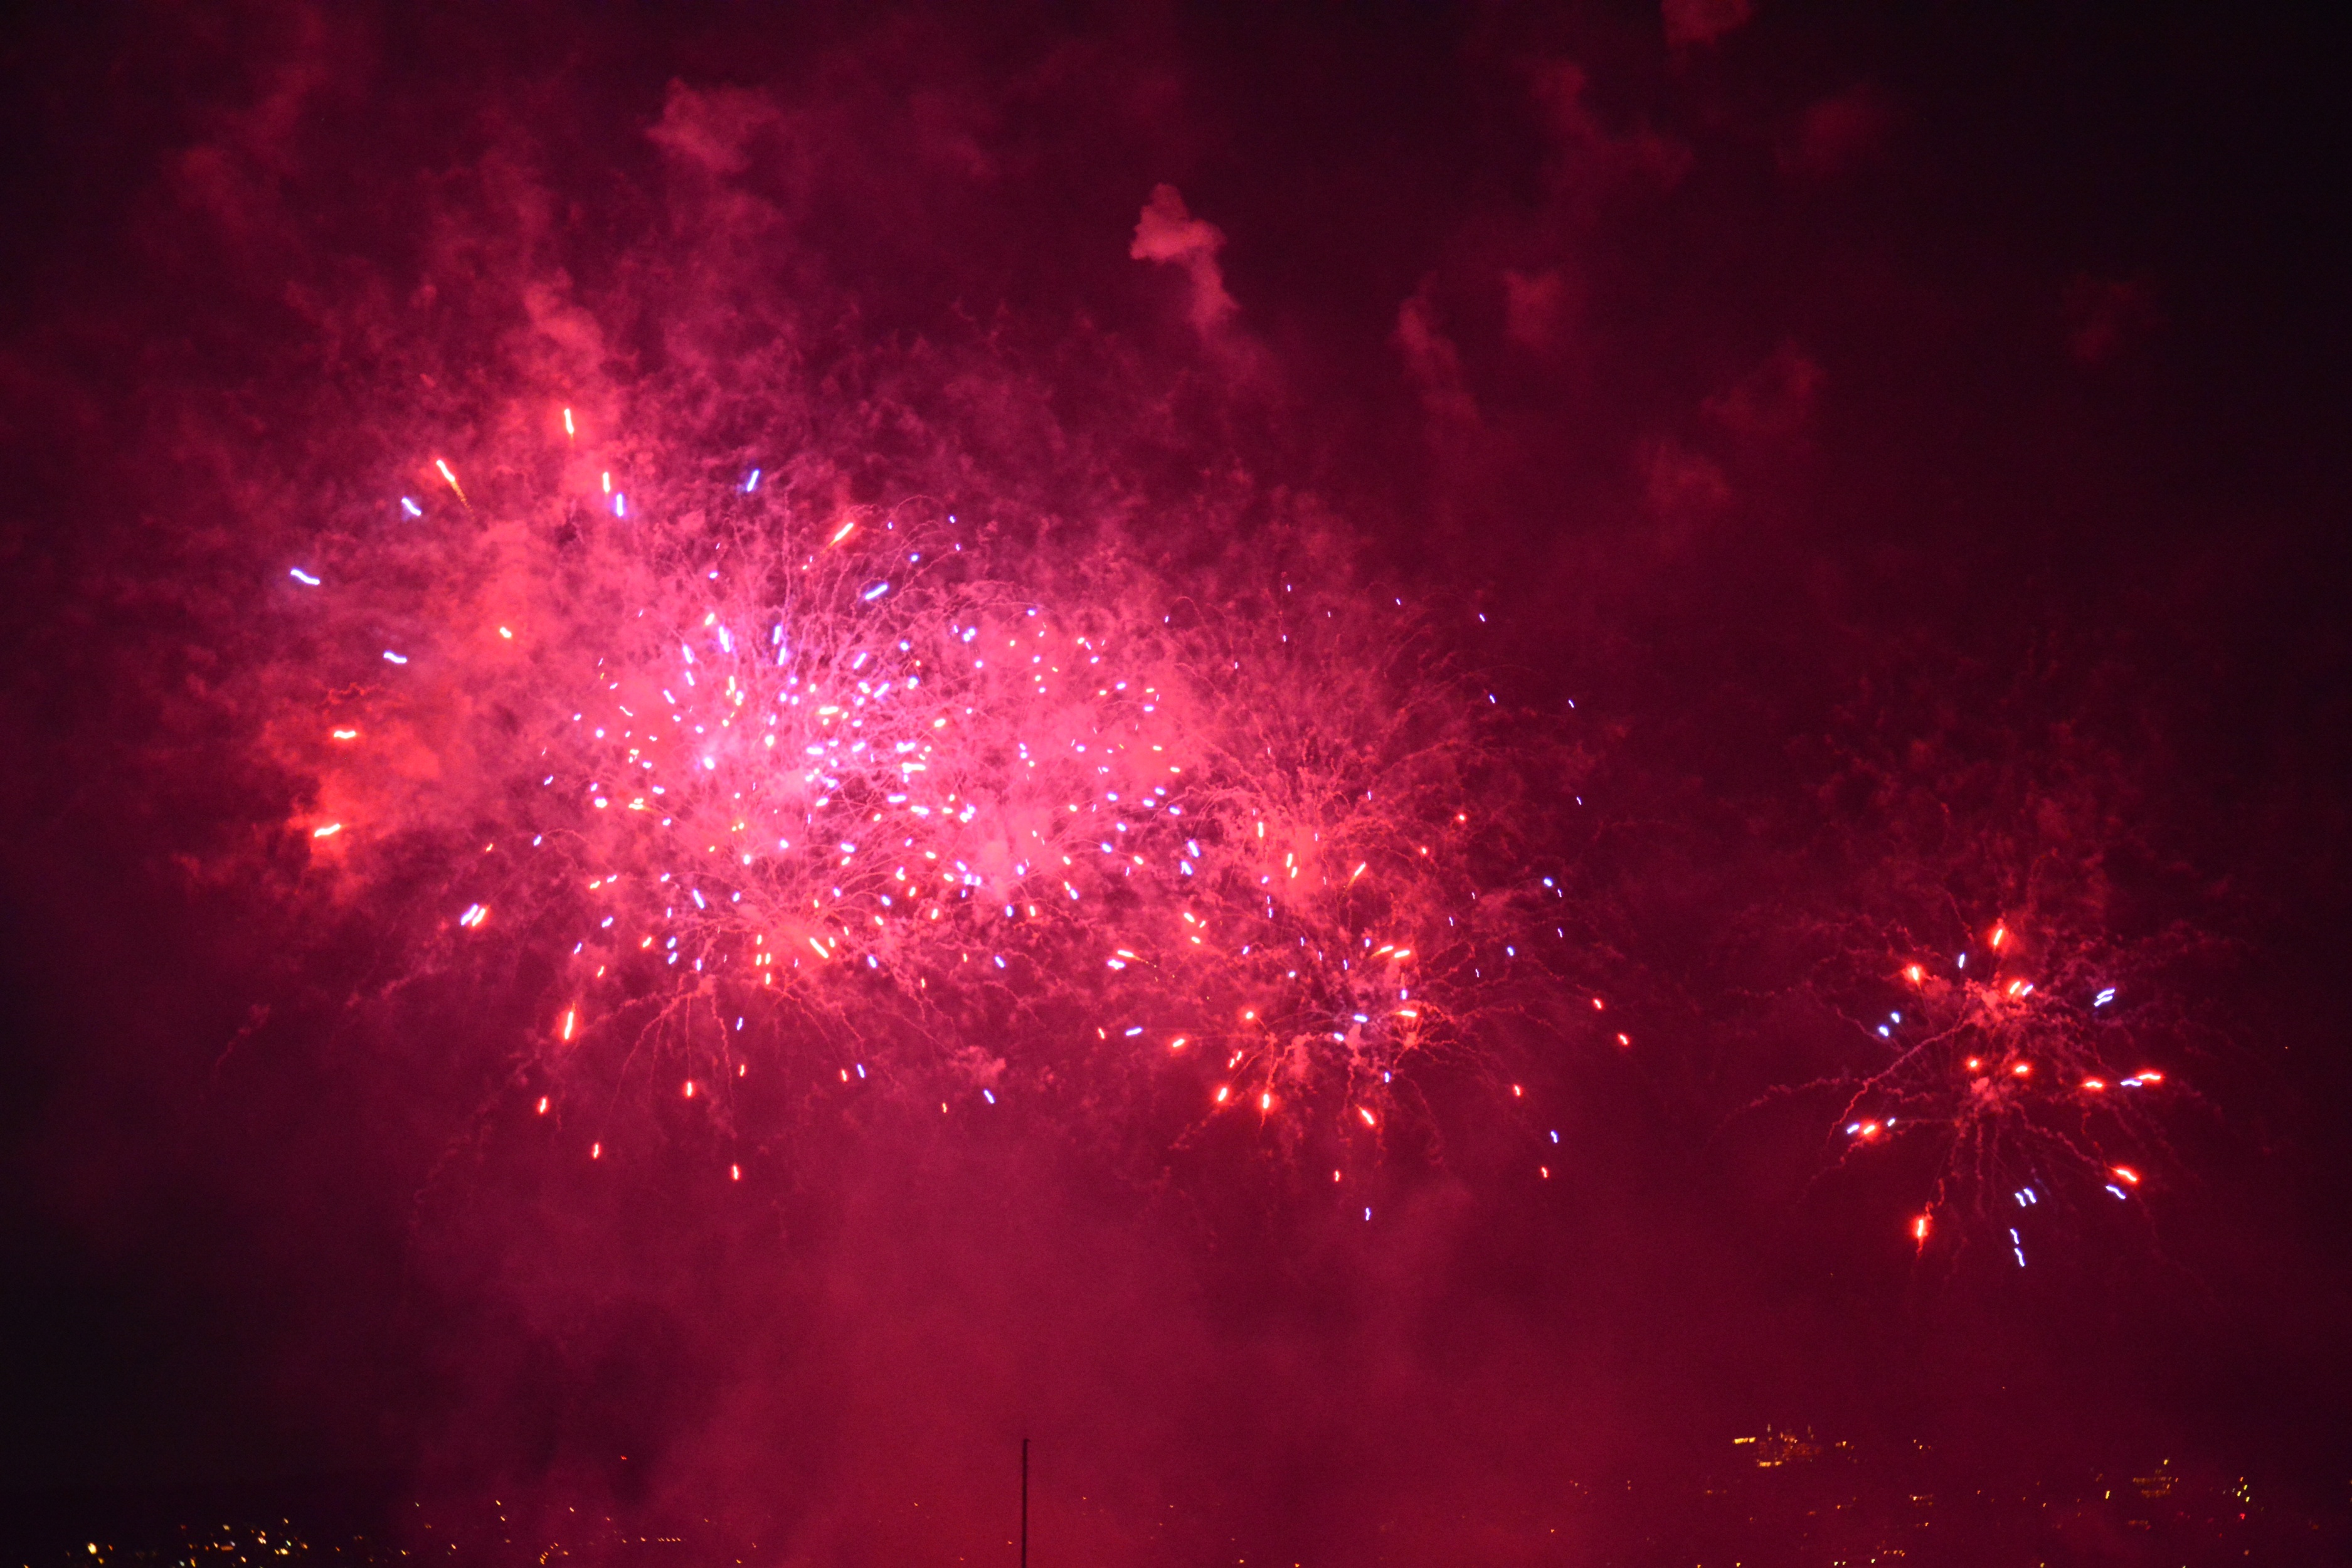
850 787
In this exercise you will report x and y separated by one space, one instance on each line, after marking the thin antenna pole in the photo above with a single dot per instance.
1025 1502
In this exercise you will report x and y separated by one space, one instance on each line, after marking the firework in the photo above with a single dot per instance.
2024 1066
875 793
1998 1028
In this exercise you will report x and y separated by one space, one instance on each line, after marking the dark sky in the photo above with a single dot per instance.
1821 396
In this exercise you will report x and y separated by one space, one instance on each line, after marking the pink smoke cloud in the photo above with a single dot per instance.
1839 133
1435 365
1167 233
2105 317
1691 22
1774 402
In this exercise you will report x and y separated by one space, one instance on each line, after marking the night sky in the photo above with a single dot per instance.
1898 455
